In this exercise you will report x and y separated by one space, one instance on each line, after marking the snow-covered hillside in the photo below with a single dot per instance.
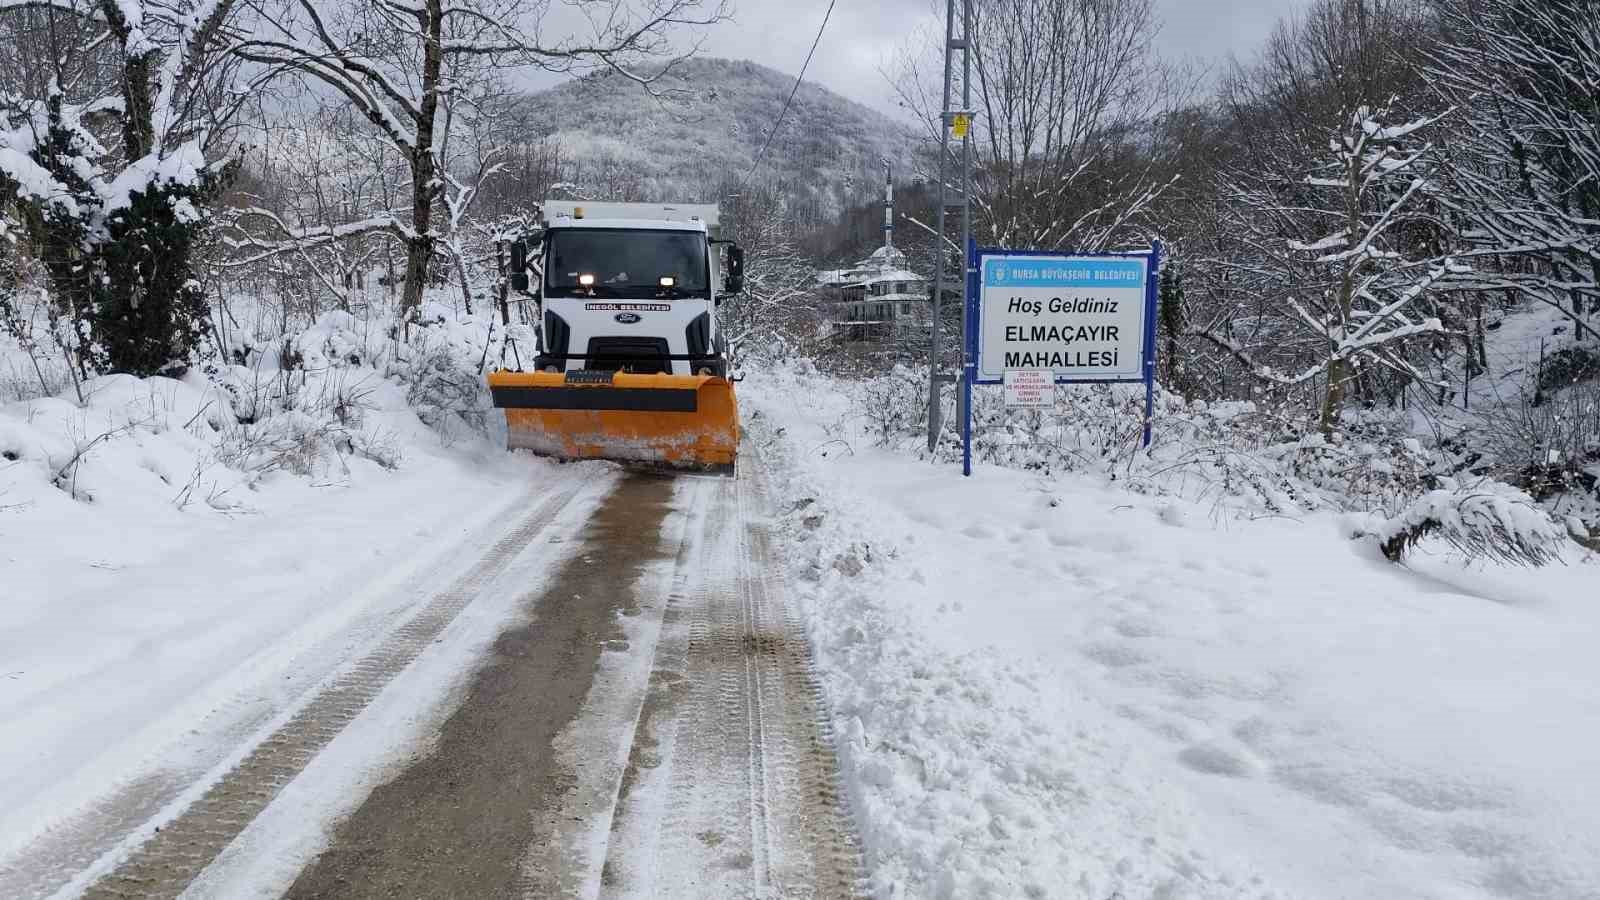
703 124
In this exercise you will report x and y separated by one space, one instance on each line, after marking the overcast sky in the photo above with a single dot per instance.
860 33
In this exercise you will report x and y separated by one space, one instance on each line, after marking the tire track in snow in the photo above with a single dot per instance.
805 808
732 785
163 857
564 855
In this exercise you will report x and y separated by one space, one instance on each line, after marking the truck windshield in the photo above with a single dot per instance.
627 262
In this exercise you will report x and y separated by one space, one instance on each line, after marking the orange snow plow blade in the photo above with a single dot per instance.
678 421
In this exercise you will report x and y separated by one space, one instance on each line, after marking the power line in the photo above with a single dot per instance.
779 123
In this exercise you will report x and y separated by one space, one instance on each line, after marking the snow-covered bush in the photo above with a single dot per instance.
1569 366
895 405
1485 519
316 428
32 363
442 367
1536 428
1233 452
1096 427
1548 444
306 404
149 313
445 395
1241 456
438 365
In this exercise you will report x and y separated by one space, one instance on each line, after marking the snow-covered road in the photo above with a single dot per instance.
650 730
592 684
138 687
731 786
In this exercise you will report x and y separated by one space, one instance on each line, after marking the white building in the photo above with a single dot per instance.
878 298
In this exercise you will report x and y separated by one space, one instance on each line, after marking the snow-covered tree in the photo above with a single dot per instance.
1526 172
776 308
314 167
1350 253
403 65
109 173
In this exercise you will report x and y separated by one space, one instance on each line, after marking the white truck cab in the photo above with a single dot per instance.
629 287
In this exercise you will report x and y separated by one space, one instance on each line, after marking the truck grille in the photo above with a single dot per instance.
640 355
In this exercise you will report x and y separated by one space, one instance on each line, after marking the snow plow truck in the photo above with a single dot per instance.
630 365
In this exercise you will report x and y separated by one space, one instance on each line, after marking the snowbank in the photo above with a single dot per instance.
327 403
1053 686
179 557
1230 453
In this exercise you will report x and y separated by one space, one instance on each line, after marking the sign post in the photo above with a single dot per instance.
1081 318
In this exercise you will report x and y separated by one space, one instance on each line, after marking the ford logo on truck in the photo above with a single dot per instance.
626 318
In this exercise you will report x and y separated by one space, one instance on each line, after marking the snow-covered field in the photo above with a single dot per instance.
1059 688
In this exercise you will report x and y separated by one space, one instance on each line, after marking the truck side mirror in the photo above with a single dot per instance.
519 265
734 283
